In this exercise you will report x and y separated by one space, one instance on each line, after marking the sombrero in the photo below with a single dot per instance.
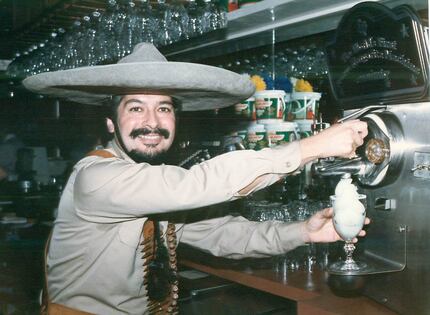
146 71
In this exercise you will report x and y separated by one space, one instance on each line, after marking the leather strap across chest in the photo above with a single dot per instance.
168 305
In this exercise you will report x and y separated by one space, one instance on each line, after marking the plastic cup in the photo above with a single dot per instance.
270 104
303 105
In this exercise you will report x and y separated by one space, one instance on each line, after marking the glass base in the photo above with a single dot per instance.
353 268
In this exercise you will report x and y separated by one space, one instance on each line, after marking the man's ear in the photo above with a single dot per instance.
110 125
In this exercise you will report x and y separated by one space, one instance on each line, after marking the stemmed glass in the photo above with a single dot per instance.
147 22
107 31
211 17
177 20
162 34
348 221
195 13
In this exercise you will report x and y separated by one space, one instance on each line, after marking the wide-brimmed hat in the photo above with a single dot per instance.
146 71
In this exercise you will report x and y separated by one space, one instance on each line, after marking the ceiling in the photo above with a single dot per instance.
24 23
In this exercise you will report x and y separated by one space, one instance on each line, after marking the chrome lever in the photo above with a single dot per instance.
361 112
330 167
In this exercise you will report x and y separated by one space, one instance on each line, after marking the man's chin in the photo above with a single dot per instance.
153 158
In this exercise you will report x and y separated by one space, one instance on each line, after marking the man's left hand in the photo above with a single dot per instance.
319 228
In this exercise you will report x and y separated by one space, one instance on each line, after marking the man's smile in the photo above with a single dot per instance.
150 134
150 139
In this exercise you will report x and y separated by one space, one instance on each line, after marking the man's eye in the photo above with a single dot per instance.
135 109
165 109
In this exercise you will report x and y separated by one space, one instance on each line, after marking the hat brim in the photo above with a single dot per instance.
196 86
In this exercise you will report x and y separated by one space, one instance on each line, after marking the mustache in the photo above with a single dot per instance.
145 131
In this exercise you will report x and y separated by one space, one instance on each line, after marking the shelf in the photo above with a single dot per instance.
251 26
272 21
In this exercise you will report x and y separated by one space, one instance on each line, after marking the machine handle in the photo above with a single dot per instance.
361 112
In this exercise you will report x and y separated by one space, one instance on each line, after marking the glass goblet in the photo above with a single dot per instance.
348 220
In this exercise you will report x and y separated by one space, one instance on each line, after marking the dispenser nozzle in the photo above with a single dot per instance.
344 167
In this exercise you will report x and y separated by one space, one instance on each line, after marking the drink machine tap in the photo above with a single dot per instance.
380 156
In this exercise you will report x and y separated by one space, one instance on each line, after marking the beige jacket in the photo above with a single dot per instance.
94 261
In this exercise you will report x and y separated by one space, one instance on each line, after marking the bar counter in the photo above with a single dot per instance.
310 290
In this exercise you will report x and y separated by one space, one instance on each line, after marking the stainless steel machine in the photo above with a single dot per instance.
378 68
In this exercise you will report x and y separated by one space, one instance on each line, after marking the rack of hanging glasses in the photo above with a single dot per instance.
75 33
108 31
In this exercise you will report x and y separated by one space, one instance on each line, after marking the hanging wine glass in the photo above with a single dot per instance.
79 43
146 22
129 29
211 19
38 58
70 45
25 64
96 51
162 37
63 50
195 14
52 48
177 20
120 32
88 41
32 58
107 34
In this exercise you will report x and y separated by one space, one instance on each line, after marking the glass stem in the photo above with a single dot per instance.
349 248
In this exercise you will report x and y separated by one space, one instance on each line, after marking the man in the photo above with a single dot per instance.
95 260
9 147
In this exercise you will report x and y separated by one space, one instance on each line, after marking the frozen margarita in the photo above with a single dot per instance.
349 211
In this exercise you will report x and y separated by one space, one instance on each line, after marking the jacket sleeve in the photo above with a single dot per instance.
113 189
236 237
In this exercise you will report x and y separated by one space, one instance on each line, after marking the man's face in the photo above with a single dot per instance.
146 125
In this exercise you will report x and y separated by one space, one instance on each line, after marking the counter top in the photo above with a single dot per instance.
310 290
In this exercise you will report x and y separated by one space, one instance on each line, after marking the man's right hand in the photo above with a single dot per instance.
340 140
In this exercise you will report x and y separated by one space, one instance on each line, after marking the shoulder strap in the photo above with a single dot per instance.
101 153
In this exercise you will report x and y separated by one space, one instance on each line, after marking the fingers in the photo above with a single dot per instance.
359 129
357 132
357 139
327 213
362 233
358 126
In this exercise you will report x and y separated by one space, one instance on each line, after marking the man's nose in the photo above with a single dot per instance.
151 119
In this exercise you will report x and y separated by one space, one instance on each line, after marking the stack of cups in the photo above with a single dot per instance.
305 127
246 109
304 110
256 138
253 134
281 132
270 107
274 117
